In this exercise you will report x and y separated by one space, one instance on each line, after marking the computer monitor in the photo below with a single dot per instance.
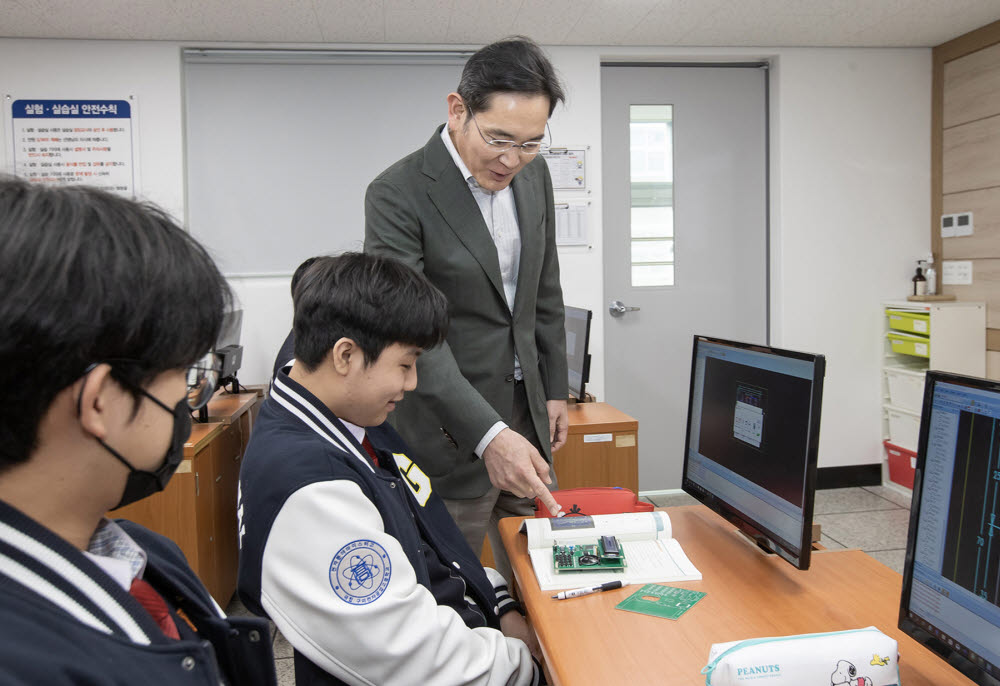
752 440
577 349
228 348
951 577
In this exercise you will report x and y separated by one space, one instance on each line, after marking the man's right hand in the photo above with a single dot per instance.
514 465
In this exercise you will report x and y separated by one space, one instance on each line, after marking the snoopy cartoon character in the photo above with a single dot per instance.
846 674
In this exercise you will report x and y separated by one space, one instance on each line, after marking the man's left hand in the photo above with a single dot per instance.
558 423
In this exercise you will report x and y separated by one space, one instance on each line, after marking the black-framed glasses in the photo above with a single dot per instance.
202 378
529 149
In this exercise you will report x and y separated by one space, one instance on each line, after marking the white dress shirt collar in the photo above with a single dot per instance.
357 431
453 151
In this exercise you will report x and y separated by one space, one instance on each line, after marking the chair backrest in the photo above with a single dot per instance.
594 501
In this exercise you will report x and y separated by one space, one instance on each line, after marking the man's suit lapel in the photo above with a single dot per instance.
450 194
529 215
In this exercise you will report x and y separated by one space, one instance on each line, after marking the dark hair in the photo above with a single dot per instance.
87 276
299 271
511 65
374 301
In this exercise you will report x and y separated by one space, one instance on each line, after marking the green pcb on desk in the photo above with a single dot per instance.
661 601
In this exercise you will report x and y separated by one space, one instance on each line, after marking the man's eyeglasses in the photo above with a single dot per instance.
529 149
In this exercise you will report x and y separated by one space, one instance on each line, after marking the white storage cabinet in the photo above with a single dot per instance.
917 336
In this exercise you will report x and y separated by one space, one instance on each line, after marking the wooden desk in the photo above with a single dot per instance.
230 407
197 509
750 594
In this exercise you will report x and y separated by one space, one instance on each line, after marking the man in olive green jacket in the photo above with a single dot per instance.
473 210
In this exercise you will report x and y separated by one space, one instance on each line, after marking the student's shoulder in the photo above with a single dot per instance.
283 452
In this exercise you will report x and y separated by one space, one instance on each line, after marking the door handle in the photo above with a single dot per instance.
618 309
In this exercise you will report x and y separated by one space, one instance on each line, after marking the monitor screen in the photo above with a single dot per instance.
752 440
951 577
577 347
232 327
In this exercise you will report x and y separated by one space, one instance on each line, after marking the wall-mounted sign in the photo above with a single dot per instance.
75 141
568 168
571 223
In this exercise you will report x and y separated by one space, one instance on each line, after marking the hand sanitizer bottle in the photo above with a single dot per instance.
919 282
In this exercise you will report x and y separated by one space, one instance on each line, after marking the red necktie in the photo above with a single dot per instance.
154 604
370 449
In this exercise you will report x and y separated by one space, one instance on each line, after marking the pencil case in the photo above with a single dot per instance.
859 657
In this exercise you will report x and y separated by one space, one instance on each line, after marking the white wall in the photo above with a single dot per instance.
850 203
850 193
853 208
108 69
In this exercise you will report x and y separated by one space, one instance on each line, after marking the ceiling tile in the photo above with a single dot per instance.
928 23
478 22
670 21
608 22
549 22
17 19
720 23
435 7
349 21
415 26
747 28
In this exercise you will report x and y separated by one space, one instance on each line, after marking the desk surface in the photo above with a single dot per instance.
598 417
228 407
749 594
201 435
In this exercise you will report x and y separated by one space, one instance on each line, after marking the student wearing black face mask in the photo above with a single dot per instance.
107 309
201 378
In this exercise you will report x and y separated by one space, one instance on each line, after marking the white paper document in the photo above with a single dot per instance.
651 553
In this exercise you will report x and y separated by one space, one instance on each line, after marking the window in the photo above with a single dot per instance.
651 155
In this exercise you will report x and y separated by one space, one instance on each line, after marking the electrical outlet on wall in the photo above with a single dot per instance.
956 272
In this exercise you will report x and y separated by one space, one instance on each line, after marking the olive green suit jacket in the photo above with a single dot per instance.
421 211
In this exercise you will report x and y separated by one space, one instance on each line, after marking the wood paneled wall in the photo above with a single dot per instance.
965 167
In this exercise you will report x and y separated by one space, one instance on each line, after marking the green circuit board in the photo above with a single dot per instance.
605 554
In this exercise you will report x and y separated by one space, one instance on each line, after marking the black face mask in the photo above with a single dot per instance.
140 483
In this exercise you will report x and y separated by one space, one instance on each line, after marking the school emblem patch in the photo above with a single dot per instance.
359 572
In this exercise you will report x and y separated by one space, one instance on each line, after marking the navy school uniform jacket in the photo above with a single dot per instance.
64 621
286 353
362 569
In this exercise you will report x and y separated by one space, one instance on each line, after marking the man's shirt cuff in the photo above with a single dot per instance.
490 435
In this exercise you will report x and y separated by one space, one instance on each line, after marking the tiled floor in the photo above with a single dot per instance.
872 518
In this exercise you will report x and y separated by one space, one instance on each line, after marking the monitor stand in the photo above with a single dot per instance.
758 541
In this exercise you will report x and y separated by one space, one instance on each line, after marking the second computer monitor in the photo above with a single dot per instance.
752 440
577 350
951 577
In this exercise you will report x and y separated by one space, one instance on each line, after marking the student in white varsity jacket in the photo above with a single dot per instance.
106 308
343 544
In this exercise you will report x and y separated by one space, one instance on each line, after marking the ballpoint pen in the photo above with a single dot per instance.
587 590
